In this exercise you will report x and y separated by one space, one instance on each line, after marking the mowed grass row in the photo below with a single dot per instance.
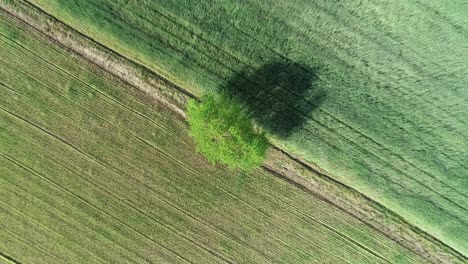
96 172
393 121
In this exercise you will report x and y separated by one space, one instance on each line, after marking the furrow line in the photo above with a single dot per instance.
41 226
325 112
171 205
303 35
297 212
43 177
124 69
300 163
9 88
98 162
427 173
182 165
230 194
167 157
33 172
458 28
282 56
82 107
45 252
90 86
152 189
396 169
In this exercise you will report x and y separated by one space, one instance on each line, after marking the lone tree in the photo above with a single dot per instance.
224 133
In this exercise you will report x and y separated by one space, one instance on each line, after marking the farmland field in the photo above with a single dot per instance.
94 171
393 123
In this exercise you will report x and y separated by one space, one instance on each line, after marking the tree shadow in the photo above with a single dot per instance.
279 96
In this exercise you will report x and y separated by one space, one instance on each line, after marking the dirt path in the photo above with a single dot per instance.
280 163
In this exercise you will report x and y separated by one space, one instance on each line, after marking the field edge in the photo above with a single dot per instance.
307 176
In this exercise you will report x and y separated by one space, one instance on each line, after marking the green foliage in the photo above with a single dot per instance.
224 133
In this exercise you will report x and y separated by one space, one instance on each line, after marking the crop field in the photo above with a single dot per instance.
94 171
391 120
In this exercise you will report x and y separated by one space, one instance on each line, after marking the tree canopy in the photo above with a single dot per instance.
224 132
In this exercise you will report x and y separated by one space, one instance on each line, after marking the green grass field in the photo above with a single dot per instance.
393 123
93 171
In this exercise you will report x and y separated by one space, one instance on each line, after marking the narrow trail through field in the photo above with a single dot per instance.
280 162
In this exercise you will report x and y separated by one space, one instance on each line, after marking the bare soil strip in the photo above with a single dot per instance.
293 169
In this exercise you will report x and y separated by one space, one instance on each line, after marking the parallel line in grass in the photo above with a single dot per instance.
87 84
141 211
41 226
166 202
178 209
425 172
223 190
157 198
8 87
90 157
37 247
73 102
458 28
144 213
361 32
282 56
49 181
189 169
325 112
297 212
132 206
9 258
166 156
398 170
31 171
215 186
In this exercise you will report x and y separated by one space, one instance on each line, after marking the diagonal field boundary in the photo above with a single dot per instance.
9 258
303 174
